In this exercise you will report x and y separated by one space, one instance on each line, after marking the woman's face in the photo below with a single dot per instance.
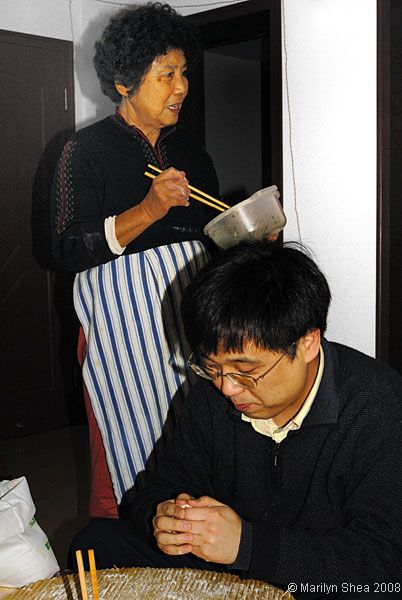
158 100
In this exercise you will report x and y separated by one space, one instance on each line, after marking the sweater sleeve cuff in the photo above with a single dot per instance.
94 239
265 550
243 558
110 233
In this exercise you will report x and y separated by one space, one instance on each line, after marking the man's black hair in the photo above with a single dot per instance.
260 292
132 41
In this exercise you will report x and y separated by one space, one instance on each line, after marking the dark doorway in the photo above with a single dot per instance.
235 99
389 215
37 323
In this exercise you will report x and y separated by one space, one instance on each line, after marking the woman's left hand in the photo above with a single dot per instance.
273 236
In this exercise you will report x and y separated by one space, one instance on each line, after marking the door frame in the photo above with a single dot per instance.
234 11
383 180
389 219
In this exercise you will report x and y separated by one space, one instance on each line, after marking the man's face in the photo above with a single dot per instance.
281 393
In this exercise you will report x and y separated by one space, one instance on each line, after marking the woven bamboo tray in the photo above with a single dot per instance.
153 584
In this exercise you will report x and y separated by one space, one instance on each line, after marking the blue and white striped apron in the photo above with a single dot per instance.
135 367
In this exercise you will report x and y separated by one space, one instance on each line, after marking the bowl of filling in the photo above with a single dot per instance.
255 218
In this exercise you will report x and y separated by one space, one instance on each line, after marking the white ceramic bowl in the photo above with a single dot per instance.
253 218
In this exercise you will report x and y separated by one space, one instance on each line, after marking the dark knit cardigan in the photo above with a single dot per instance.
330 510
101 174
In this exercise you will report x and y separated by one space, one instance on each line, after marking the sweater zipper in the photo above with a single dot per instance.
156 149
274 467
163 137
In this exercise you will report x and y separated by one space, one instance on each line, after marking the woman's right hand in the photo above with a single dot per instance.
169 188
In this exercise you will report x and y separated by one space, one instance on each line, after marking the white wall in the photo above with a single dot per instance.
91 103
331 50
50 18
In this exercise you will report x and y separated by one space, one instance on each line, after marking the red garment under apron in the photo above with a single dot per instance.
102 501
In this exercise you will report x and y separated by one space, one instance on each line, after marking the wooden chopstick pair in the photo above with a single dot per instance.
81 575
217 204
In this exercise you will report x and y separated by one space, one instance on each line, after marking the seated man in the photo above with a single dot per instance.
286 462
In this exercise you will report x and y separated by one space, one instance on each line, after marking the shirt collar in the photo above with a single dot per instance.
270 428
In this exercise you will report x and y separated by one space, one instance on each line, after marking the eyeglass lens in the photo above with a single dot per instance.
235 378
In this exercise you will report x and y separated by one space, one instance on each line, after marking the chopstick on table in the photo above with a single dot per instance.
94 578
217 204
81 575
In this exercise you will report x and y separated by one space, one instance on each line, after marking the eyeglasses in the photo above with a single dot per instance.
240 379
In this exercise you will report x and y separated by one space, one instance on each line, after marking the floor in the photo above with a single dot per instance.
56 466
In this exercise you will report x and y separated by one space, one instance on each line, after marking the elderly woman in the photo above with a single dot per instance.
135 245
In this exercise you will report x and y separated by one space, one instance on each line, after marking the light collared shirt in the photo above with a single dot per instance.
270 428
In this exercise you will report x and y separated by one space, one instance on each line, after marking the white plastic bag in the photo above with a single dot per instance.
25 552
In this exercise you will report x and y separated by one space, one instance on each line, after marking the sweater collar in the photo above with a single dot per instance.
132 129
325 408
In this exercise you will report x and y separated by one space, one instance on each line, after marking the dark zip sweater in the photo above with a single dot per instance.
101 174
325 504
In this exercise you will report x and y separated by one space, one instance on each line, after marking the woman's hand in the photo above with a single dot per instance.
273 236
169 188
